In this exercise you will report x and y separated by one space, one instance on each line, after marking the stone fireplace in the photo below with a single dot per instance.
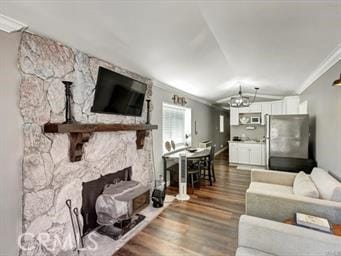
49 178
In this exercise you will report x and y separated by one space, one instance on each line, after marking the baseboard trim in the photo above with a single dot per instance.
220 150
246 167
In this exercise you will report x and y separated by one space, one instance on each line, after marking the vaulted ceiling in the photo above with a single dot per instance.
204 48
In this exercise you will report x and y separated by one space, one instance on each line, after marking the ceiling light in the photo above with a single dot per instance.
337 82
10 25
241 101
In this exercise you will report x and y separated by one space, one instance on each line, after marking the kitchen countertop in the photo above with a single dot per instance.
247 142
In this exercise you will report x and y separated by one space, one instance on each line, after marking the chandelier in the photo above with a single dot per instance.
241 101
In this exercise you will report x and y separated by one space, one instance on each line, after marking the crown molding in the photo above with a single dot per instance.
172 89
10 25
326 64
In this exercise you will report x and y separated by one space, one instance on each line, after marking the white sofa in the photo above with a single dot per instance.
261 237
271 196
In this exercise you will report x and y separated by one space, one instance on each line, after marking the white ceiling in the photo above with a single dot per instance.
203 48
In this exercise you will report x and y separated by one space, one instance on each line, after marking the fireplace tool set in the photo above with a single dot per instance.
76 213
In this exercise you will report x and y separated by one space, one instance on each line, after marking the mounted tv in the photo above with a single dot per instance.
118 94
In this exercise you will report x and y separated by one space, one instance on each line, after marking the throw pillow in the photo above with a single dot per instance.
327 185
304 186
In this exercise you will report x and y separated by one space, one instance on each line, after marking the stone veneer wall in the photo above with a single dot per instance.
49 178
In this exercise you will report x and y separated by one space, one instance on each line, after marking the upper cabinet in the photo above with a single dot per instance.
255 107
266 110
291 105
244 110
303 108
234 116
288 106
277 108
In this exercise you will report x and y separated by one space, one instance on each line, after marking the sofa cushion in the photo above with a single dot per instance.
337 194
281 239
304 186
243 251
269 188
328 186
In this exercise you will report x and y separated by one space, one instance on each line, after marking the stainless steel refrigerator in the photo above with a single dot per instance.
287 138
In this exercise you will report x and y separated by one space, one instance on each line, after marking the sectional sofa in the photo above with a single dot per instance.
274 197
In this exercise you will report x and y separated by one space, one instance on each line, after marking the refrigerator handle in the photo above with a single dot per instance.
267 141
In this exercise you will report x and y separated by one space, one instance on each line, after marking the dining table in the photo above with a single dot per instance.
198 154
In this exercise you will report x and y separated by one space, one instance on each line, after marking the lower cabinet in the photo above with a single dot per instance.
243 154
247 153
233 152
256 154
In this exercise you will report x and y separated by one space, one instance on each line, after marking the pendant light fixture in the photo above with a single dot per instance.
337 82
241 101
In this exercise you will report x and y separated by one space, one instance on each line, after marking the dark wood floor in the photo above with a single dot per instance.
207 224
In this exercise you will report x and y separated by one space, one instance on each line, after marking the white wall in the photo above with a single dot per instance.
324 108
206 117
11 142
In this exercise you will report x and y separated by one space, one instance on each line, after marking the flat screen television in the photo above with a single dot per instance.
118 94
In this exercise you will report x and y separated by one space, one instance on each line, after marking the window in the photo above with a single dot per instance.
176 125
221 123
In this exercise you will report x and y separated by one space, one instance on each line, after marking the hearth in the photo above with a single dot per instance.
119 229
111 202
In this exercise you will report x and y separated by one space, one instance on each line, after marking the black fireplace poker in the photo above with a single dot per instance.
68 203
68 95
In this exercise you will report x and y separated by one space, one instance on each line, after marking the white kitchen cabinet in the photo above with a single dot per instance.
247 153
233 152
243 154
277 108
234 116
288 106
255 154
266 110
303 108
255 108
291 105
244 110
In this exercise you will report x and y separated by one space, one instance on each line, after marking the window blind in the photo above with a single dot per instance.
173 123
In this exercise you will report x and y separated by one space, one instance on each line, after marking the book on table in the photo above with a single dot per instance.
313 222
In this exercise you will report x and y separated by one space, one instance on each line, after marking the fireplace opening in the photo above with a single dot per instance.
92 190
110 204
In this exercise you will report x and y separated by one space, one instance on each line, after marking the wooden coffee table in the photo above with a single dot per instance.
336 228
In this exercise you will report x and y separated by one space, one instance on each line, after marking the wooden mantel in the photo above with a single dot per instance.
81 133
